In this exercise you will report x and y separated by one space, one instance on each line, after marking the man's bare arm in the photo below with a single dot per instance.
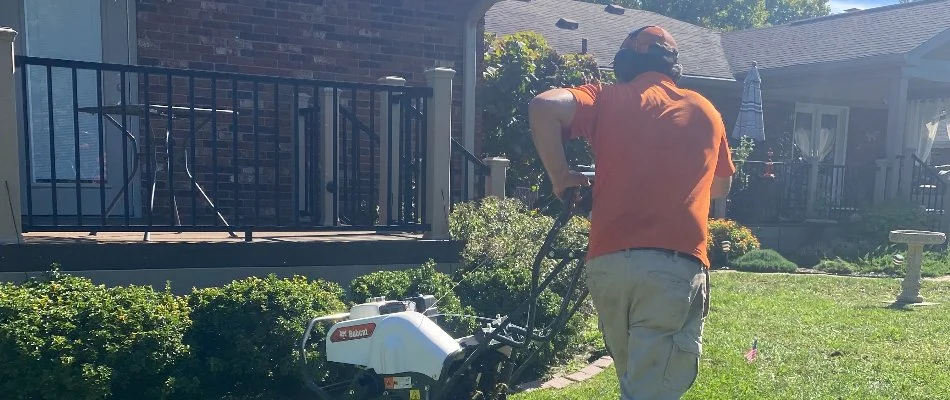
549 115
721 186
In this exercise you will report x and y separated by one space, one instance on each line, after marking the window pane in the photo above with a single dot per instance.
65 30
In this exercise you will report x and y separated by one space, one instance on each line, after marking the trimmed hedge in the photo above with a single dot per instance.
497 292
64 337
422 280
502 239
836 266
246 336
765 260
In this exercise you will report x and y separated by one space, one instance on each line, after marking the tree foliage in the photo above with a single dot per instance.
517 68
730 14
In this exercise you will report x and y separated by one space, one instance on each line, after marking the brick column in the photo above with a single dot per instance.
438 153
10 220
389 139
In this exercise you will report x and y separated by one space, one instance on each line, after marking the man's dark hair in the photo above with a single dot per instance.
629 64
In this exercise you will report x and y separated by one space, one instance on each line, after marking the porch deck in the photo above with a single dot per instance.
214 252
309 173
33 238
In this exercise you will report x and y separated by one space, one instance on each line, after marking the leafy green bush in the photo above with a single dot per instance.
502 239
422 280
64 337
872 227
764 260
501 233
881 262
836 266
518 67
935 263
245 337
499 291
741 240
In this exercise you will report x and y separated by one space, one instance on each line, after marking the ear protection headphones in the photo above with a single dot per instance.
628 62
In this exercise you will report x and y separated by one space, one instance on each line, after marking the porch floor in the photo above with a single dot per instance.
125 251
214 237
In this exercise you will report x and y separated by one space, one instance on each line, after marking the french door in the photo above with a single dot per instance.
821 132
64 144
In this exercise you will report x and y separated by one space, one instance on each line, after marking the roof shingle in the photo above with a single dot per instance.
874 32
700 50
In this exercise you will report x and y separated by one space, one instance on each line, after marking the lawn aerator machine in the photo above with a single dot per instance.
398 350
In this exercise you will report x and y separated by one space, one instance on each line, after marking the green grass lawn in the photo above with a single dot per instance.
820 337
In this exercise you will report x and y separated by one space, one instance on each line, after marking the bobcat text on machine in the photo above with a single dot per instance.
398 351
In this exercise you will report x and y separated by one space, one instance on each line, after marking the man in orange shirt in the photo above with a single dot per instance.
661 155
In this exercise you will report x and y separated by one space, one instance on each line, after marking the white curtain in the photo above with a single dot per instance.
815 146
925 120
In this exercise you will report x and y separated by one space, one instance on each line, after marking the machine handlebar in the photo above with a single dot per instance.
580 199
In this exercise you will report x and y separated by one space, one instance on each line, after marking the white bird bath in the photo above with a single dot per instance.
915 241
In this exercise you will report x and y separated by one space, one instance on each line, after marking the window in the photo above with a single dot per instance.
66 30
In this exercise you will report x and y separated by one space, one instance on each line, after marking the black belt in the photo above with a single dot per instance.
673 253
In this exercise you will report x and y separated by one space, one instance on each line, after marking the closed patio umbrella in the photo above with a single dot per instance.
750 122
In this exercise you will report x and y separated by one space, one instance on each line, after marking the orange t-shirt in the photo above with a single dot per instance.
656 147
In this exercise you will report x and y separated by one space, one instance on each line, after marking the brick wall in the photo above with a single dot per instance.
332 40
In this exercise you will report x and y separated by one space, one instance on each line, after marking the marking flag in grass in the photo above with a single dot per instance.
753 353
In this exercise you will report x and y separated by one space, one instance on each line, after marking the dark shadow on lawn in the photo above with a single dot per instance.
892 306
900 306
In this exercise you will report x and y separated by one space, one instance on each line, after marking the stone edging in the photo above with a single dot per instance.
562 381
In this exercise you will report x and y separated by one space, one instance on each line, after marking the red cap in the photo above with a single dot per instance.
642 39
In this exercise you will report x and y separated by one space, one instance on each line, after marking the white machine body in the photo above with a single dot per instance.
390 343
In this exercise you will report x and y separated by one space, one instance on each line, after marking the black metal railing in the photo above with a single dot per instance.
114 147
928 189
779 193
843 190
465 166
412 160
764 193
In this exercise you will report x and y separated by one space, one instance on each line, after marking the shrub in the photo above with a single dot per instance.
422 280
500 233
518 67
741 240
836 266
764 260
502 240
872 227
933 264
64 337
499 291
246 334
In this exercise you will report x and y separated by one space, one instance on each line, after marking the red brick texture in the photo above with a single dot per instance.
326 40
